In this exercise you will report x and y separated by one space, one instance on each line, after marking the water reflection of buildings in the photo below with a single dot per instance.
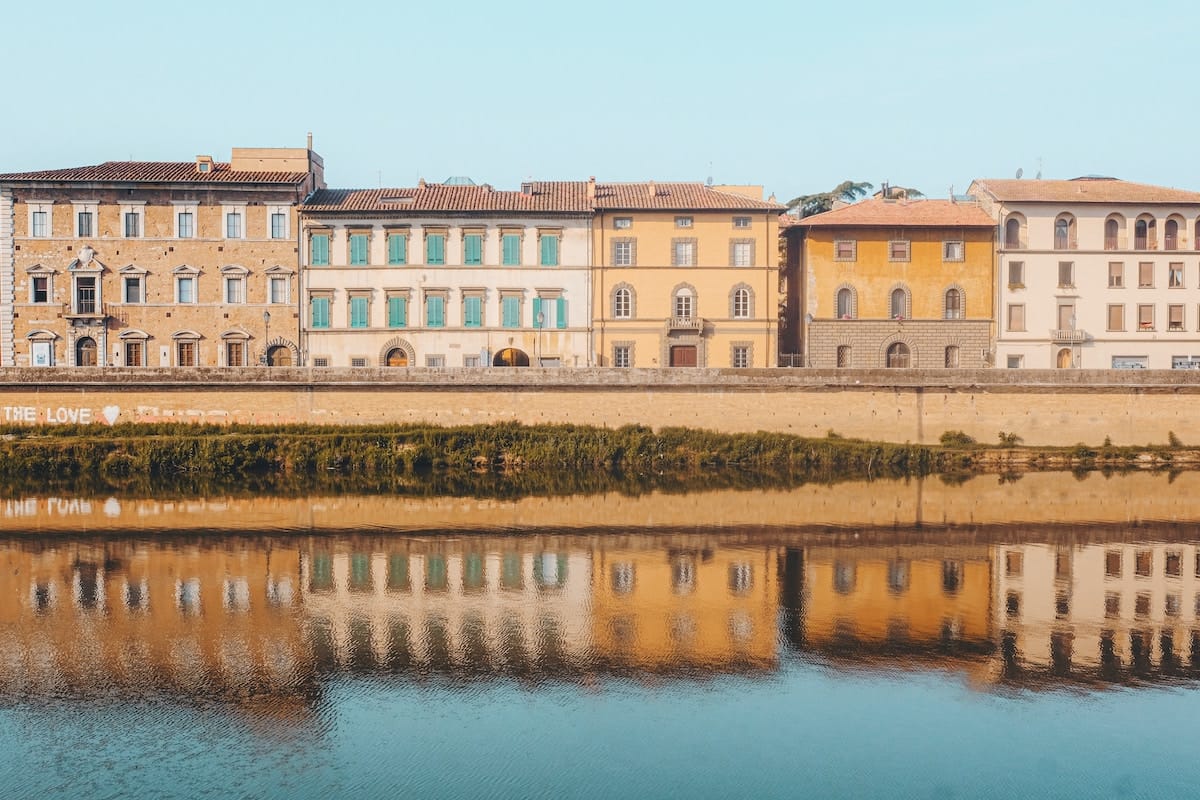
245 617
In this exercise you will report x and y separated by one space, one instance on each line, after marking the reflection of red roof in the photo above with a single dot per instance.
1082 190
903 214
155 172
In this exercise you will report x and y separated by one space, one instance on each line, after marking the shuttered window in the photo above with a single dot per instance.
435 248
510 312
435 311
473 249
358 312
319 250
511 243
319 312
358 248
473 311
397 249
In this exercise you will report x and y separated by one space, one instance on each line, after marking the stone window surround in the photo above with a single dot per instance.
853 301
359 292
186 271
238 273
234 208
137 207
898 337
733 244
185 207
277 208
853 246
695 253
892 257
85 206
40 206
612 299
907 311
695 298
39 271
133 271
632 242
749 301
749 352
280 273
628 343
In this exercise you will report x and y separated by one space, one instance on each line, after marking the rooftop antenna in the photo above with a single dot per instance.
1038 177
709 182
1020 172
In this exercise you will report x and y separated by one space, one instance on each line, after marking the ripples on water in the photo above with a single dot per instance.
740 658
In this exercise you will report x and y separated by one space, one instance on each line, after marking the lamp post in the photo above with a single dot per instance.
266 338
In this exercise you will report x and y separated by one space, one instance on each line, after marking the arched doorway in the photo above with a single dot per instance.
85 352
279 356
396 357
898 355
1064 358
510 357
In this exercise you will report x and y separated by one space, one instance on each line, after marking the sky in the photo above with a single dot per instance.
794 96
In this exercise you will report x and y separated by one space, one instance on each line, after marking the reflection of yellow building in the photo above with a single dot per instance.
663 609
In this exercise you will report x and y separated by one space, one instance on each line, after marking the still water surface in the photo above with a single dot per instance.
1037 638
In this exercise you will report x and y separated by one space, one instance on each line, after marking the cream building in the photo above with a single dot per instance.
1095 272
447 275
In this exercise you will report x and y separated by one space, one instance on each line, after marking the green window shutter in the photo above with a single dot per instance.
511 308
319 250
358 248
320 312
397 312
358 312
473 312
435 312
435 249
512 250
473 247
397 249
560 312
549 251
537 312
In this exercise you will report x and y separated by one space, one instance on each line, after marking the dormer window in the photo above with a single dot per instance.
204 164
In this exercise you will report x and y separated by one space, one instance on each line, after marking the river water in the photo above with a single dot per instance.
1033 636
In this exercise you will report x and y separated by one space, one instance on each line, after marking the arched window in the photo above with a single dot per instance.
1112 234
1012 233
623 303
1196 237
954 304
843 355
1145 233
898 308
740 303
898 355
396 357
845 303
952 357
1064 358
1171 235
684 305
1064 232
85 352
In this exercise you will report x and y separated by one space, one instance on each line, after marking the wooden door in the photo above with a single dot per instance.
683 355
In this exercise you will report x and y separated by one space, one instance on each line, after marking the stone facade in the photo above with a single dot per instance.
863 344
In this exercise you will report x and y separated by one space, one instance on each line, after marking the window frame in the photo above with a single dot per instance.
845 249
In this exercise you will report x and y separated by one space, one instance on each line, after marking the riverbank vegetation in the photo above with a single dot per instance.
507 459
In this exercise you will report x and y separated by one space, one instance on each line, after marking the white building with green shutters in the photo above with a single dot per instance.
446 275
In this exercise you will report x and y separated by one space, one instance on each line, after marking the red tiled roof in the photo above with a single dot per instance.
154 172
1081 190
652 195
546 196
903 214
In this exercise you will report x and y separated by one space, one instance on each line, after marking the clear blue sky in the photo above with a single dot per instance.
795 96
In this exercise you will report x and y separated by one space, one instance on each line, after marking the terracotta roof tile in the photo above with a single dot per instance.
154 172
903 214
652 195
546 196
1081 190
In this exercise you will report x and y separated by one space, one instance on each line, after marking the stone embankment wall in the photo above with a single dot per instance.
1051 407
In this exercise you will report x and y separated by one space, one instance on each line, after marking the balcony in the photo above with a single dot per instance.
1067 336
685 324
84 310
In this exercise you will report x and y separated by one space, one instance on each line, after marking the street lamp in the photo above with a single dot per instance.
266 337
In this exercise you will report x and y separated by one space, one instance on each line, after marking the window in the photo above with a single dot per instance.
85 223
740 356
1145 318
1066 274
953 251
510 246
741 222
899 356
898 250
233 225
1145 234
235 289
359 311
843 355
684 303
1116 318
1175 275
1112 233
185 353
235 353
898 304
185 289
397 248
397 311
741 253
1016 274
845 303
1015 362
473 311
549 249
845 250
622 223
954 304
359 247
624 252
435 248
473 249
1064 233
1013 230
1143 563
133 224
683 252
185 224
39 223
278 225
358 361
1016 316
435 361
1175 317
622 355
435 311
683 222
277 290
510 311
740 303
318 311
472 361
1171 235
952 357
132 286
39 289
623 303
1173 564
550 312
1116 274
135 353
318 250
1014 564
1130 362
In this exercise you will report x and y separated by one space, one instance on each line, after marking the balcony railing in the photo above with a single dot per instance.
1112 243
685 323
1142 243
84 309
1067 335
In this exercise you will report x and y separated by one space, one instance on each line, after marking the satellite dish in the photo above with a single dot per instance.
1020 172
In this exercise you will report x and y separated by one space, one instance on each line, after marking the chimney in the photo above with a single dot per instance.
310 140
420 183
591 189
653 189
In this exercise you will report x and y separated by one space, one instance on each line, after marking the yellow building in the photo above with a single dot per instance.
684 275
892 282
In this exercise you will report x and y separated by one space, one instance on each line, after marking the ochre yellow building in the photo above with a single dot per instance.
684 275
893 283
